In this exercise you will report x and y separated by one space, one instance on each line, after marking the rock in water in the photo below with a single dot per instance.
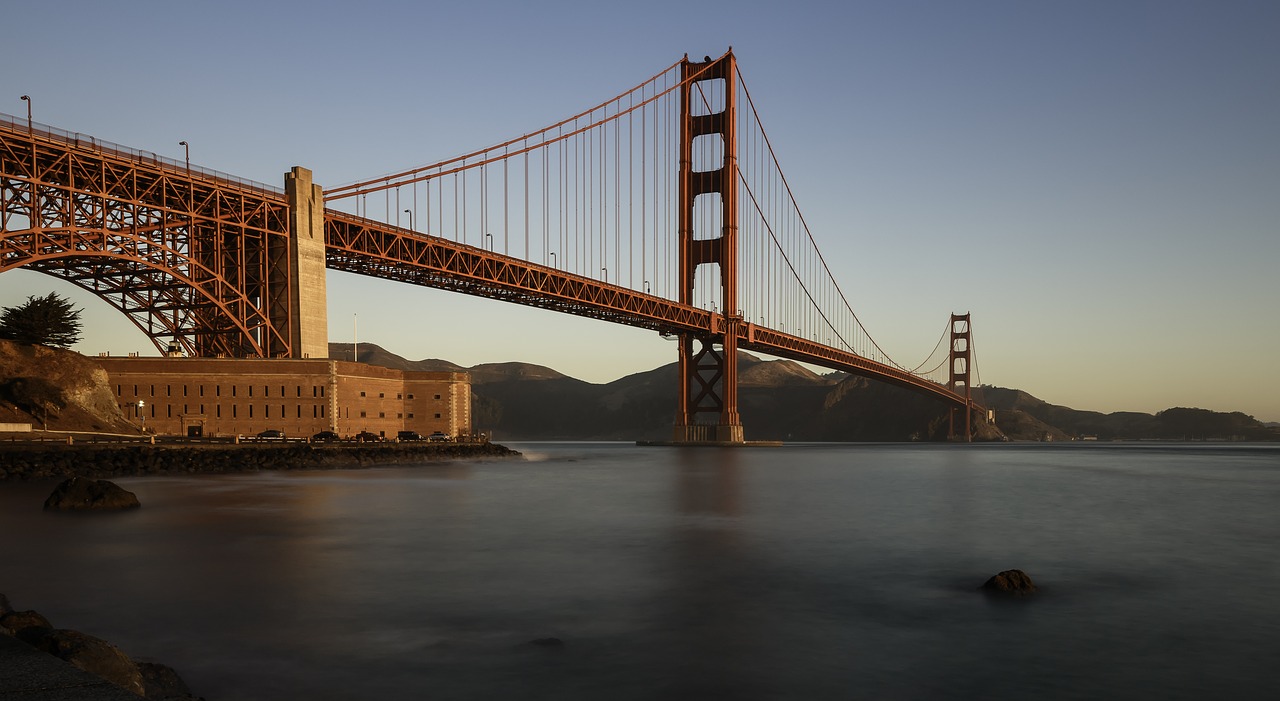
81 493
24 625
1014 582
162 682
94 656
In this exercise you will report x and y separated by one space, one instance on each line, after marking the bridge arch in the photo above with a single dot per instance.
168 305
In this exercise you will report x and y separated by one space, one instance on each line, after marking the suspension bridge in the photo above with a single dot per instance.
662 208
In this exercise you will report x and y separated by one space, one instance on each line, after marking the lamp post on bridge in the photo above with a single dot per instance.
646 287
605 273
488 241
553 259
186 152
27 99
410 213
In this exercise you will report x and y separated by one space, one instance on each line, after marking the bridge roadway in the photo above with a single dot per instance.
130 226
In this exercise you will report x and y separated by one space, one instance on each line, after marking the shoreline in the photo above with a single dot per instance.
29 462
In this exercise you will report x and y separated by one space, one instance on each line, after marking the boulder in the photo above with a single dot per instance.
161 682
1014 582
93 655
24 625
81 493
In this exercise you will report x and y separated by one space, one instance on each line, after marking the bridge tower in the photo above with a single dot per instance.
958 377
709 373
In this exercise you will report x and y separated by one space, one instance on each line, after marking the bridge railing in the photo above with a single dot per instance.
44 131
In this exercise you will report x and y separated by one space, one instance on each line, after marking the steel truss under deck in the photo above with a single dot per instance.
194 261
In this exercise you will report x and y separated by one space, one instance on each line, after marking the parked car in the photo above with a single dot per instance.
326 437
408 436
271 434
368 437
438 436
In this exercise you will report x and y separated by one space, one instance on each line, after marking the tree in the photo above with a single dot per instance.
47 321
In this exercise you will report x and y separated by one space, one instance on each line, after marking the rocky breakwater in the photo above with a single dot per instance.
36 462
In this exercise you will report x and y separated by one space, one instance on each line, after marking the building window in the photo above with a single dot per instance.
153 390
299 411
399 416
233 411
437 416
411 414
382 415
250 390
201 390
299 390
437 396
184 390
168 390
135 390
362 414
398 396
251 411
362 394
266 411
381 395
169 410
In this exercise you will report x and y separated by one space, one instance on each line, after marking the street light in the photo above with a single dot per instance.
553 259
27 99
488 241
186 148
141 415
646 287
410 213
605 273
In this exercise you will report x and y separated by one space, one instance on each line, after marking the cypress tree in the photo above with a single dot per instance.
48 321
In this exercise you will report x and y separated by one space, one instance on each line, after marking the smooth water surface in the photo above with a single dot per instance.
803 572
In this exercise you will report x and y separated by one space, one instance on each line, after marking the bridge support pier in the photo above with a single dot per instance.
308 310
709 374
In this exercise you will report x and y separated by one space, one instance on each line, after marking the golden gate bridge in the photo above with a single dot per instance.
662 208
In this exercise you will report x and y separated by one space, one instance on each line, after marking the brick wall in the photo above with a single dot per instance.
228 397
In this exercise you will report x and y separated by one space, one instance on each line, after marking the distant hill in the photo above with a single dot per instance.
1171 424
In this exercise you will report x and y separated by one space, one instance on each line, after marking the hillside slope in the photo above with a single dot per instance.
57 389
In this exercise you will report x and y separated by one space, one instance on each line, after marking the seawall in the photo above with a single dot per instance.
35 462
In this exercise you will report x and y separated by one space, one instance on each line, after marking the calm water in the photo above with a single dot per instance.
805 572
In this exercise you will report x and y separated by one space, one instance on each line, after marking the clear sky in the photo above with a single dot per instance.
1097 182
